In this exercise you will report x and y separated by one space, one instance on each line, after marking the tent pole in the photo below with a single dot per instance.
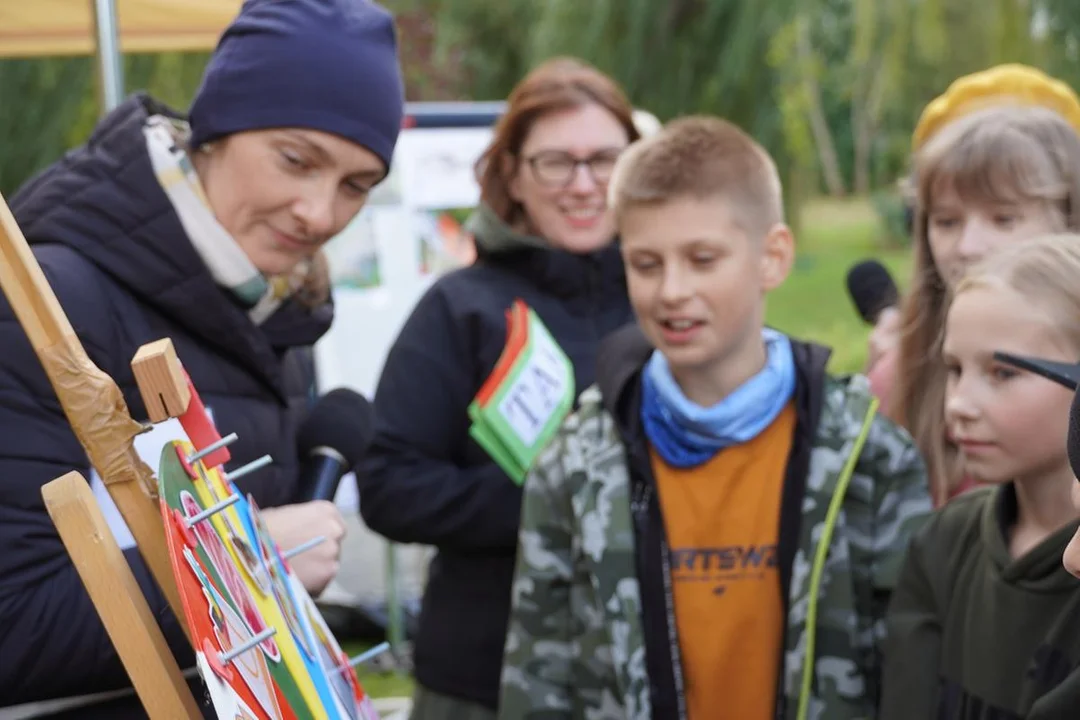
110 60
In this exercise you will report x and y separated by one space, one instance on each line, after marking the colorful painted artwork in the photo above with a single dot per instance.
444 243
263 649
353 254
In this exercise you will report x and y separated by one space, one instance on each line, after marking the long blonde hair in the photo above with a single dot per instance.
1006 154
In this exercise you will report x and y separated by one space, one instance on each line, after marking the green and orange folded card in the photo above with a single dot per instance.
527 396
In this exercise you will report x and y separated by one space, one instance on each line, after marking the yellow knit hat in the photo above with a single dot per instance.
1000 85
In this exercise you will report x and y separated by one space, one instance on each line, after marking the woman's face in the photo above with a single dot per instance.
562 174
961 233
282 194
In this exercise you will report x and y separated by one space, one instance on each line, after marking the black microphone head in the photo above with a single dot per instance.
1074 435
1064 374
342 420
872 289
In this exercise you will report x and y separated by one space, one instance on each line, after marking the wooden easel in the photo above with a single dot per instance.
118 599
101 421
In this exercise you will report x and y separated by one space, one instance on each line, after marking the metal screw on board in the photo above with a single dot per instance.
212 510
304 547
239 650
365 656
212 447
249 468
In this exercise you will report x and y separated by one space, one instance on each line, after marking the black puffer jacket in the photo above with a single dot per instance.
117 257
426 481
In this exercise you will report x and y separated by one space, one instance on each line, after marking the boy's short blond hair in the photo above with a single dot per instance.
702 158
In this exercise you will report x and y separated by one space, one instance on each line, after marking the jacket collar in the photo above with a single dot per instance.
622 357
564 274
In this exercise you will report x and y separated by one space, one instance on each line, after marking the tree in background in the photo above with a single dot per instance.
58 104
58 101
35 128
832 88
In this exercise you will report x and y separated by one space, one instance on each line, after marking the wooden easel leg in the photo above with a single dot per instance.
118 599
143 518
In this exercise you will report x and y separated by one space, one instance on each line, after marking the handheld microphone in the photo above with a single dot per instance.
1064 374
872 289
1074 436
331 441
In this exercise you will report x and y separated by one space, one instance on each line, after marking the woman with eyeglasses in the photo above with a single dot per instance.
543 235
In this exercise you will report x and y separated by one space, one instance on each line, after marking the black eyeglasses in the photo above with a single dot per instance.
556 168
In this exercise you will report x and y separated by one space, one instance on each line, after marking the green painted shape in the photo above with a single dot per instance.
172 481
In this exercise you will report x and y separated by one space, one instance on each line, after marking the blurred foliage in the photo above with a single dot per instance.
893 216
59 104
832 88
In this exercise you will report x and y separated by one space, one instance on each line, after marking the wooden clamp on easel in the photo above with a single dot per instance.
95 407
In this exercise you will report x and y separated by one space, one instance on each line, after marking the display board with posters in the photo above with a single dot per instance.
409 233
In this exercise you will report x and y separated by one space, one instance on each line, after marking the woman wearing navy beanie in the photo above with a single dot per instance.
206 230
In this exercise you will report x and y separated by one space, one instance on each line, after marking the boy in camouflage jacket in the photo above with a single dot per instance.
604 624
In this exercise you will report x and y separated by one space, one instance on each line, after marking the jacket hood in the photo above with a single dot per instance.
493 236
1040 569
104 201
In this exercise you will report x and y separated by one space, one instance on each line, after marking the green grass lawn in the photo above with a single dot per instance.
813 304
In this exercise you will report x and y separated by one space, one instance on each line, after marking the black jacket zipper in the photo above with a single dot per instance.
648 516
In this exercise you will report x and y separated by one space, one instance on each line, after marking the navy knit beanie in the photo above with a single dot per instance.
327 65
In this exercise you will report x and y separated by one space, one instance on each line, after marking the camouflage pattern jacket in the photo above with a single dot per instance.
592 632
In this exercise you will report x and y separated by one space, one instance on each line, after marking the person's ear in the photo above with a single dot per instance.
777 256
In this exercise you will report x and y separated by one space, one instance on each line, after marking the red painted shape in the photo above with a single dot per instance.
200 429
182 456
213 659
185 532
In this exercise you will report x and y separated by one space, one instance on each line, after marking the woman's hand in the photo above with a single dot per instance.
294 525
885 335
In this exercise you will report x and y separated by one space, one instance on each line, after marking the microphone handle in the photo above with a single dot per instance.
873 319
323 474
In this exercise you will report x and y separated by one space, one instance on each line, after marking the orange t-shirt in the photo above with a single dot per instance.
723 524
